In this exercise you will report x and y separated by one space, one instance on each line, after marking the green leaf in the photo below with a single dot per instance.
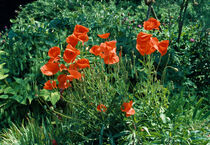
101 135
19 81
45 94
19 99
3 76
147 130
55 97
3 96
199 103
9 90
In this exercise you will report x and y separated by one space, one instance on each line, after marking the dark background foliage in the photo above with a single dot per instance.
8 10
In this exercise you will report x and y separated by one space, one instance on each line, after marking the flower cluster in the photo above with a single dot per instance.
106 50
70 71
146 44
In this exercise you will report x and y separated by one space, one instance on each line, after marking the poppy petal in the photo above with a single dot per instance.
127 106
96 50
111 59
104 36
54 52
69 47
130 112
82 63
69 55
63 67
163 46
50 69
50 85
152 23
79 29
63 81
83 38
75 74
72 40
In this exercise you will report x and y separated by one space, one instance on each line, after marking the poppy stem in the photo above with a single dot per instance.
154 14
158 66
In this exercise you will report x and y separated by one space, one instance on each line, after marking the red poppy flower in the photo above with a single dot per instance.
163 46
104 36
82 63
73 66
50 85
101 107
73 49
128 108
79 30
111 43
152 23
146 44
95 50
75 74
63 81
143 36
50 69
108 48
111 59
107 51
72 40
130 112
69 55
54 53
83 38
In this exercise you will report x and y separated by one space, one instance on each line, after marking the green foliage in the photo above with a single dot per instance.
163 114
31 134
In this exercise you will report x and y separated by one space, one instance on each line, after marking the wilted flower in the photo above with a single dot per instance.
192 40
139 26
54 142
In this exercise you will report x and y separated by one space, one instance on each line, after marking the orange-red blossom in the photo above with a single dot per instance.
101 107
104 36
127 108
106 51
146 44
152 23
